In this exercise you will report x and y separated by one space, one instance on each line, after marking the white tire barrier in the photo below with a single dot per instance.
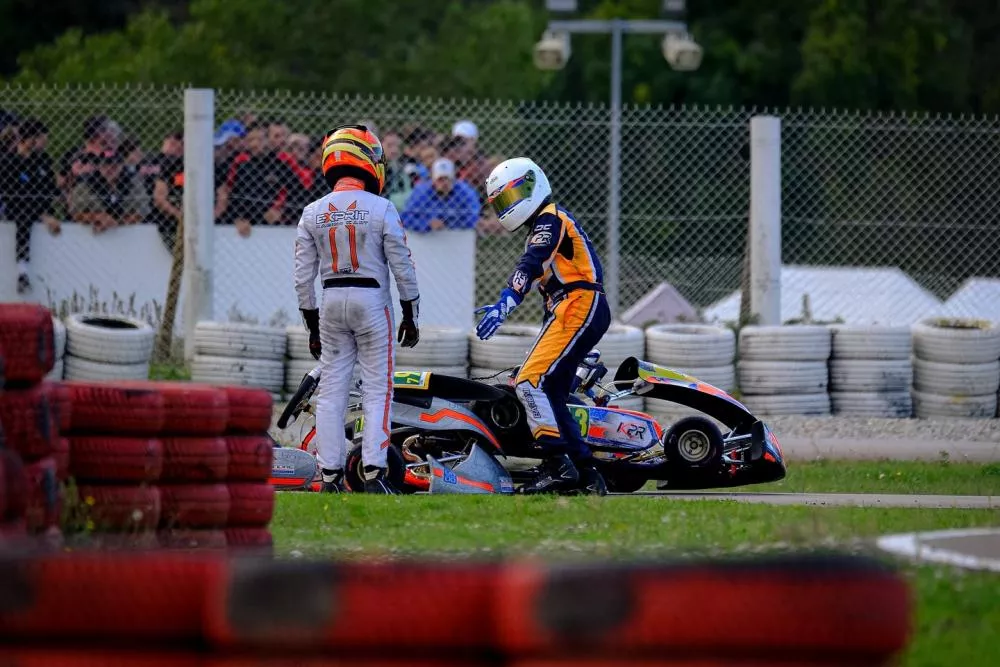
297 342
956 372
926 405
885 404
438 346
812 405
783 370
870 375
782 377
239 340
618 344
956 379
956 341
295 369
266 374
59 340
798 342
871 342
508 347
75 368
106 347
871 371
694 345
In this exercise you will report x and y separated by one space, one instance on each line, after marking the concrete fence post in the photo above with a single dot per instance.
765 219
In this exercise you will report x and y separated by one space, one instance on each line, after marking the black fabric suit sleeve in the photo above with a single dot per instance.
546 235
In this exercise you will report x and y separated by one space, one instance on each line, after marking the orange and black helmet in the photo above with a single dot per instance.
353 151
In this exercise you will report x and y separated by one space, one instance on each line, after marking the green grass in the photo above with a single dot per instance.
946 478
957 617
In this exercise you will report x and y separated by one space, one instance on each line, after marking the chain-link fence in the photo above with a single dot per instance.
909 198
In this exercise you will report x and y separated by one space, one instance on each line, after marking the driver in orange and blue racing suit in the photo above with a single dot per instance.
561 261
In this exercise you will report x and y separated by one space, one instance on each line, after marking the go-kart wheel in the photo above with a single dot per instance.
298 401
354 470
694 442
623 483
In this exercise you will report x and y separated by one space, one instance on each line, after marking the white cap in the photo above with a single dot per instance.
466 129
443 167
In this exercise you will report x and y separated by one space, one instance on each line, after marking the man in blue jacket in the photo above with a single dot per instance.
442 203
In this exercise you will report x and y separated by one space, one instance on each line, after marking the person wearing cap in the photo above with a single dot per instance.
168 187
109 197
443 203
28 190
79 162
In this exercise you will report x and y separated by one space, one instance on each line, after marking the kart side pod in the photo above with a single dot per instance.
478 473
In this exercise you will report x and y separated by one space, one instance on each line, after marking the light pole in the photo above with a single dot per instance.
552 52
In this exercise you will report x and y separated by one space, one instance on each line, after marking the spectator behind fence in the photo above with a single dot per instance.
168 188
253 191
109 197
471 164
442 203
319 188
398 185
228 142
28 191
98 136
296 156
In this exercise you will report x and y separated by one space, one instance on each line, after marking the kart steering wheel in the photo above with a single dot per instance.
299 400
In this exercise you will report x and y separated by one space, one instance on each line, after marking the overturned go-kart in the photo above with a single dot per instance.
455 435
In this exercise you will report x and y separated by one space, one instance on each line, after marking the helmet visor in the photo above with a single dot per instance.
513 194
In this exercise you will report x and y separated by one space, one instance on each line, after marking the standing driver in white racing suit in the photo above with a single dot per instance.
558 258
353 237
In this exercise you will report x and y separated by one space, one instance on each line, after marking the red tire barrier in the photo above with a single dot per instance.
193 459
193 539
191 409
809 606
62 404
194 505
249 538
13 530
251 504
115 596
60 452
15 483
108 409
98 657
28 342
44 497
250 457
250 410
103 541
342 607
111 460
120 508
29 421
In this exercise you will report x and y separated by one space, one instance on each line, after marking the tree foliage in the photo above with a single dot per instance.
865 54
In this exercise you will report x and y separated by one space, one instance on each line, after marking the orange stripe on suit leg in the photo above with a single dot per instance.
388 391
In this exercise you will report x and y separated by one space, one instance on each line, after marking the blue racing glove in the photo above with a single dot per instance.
495 314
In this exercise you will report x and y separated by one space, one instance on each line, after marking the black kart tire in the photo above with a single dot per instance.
353 471
693 442
623 483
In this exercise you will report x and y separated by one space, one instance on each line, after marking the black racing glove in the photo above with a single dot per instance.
409 334
311 318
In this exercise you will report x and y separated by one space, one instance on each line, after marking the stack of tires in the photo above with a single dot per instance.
240 354
59 338
956 368
702 351
871 371
618 344
169 465
107 347
783 369
443 350
506 349
298 359
32 451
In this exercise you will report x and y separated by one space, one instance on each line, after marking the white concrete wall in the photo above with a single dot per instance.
127 270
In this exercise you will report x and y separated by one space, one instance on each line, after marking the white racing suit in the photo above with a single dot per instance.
353 238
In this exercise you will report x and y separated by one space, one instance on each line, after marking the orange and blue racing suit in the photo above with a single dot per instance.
560 259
